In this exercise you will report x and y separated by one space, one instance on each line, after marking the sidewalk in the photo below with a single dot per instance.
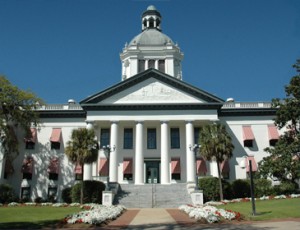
174 219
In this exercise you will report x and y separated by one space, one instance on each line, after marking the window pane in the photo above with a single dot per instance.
104 137
161 65
128 139
151 64
175 138
141 66
196 135
151 138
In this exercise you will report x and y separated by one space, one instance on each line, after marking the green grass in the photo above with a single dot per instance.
33 217
267 209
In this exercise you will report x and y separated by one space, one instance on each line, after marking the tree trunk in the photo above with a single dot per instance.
81 189
220 181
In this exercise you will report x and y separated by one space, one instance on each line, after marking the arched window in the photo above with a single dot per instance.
161 65
141 66
151 64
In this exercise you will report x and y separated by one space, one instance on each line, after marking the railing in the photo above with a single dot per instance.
245 105
60 107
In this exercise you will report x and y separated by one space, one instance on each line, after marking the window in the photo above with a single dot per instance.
104 137
175 169
56 138
78 176
52 192
128 138
127 169
141 66
25 193
55 145
151 138
27 176
151 64
248 136
53 176
196 135
161 65
175 138
29 145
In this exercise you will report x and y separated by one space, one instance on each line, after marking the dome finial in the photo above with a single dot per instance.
151 7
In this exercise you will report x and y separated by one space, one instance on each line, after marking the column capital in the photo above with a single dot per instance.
164 122
114 122
89 124
189 121
139 122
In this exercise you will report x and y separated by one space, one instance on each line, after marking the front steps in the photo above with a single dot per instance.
152 195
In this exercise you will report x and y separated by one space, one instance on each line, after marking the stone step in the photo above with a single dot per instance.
152 195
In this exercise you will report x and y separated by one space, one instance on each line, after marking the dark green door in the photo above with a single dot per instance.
152 170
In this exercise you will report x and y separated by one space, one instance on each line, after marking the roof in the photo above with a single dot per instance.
151 37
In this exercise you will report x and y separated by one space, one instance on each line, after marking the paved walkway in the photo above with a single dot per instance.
174 219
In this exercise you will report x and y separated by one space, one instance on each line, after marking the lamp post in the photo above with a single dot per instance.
195 148
107 150
243 164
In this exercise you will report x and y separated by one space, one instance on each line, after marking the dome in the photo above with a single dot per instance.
151 37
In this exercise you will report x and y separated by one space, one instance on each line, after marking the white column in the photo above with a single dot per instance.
156 64
113 165
88 168
146 64
165 155
139 157
190 156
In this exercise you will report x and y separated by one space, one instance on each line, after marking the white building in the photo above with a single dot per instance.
150 120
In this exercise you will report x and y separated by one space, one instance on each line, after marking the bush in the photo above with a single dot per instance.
38 200
211 191
263 187
240 188
66 195
92 192
7 194
286 188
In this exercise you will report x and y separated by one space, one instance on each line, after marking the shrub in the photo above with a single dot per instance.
66 195
211 191
286 188
240 188
263 187
38 200
7 194
92 192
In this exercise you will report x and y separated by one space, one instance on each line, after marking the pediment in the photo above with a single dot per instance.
151 87
151 91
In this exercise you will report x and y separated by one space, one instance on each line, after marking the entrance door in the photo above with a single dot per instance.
152 168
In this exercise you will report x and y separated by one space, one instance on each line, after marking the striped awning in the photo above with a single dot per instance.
27 166
224 167
78 169
201 166
32 137
273 132
103 167
175 165
127 166
55 135
253 163
53 165
247 133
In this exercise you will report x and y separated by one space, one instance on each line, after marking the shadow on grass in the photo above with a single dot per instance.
30 225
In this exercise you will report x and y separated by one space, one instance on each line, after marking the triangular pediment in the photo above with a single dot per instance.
151 91
151 87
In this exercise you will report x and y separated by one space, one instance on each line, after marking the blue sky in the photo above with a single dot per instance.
62 49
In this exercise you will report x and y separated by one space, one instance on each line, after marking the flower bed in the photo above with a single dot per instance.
209 213
97 214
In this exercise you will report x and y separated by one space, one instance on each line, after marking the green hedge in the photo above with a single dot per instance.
7 194
92 192
211 191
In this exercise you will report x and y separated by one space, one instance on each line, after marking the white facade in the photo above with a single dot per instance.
150 120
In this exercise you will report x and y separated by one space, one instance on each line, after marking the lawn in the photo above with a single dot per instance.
267 209
30 217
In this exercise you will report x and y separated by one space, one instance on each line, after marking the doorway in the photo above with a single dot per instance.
152 172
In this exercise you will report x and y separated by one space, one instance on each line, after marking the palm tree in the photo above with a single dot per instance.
82 149
216 145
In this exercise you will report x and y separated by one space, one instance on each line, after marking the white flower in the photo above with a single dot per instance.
13 204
